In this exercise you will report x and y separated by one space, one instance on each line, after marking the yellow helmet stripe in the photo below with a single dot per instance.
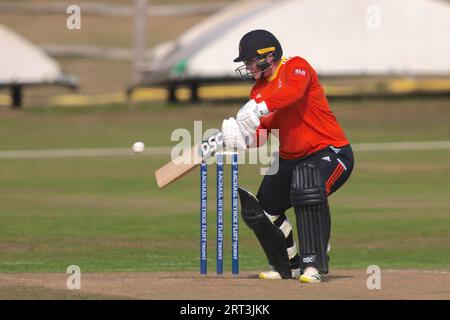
265 50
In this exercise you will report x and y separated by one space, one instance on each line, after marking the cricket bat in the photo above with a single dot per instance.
189 160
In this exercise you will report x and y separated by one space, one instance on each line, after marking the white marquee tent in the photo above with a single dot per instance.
338 38
23 64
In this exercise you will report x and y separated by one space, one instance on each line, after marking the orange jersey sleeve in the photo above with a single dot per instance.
299 110
262 135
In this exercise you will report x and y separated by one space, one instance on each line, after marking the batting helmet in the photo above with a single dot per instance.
258 43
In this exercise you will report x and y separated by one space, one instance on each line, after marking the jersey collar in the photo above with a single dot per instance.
275 74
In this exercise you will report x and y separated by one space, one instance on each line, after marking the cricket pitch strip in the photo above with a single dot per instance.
340 284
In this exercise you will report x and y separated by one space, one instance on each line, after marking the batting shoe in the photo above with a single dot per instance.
311 275
274 275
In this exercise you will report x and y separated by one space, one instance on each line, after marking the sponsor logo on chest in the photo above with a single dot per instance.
299 72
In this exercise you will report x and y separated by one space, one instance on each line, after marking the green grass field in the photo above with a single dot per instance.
106 213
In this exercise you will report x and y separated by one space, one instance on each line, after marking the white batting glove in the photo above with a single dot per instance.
231 134
260 109
248 116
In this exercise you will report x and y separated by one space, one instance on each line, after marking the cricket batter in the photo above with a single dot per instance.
315 157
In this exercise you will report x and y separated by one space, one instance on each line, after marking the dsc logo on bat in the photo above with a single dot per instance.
209 146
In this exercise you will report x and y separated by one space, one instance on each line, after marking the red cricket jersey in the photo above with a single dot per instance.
299 109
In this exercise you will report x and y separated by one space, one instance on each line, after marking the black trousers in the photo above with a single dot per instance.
335 165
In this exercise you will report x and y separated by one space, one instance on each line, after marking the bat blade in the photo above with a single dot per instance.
188 161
